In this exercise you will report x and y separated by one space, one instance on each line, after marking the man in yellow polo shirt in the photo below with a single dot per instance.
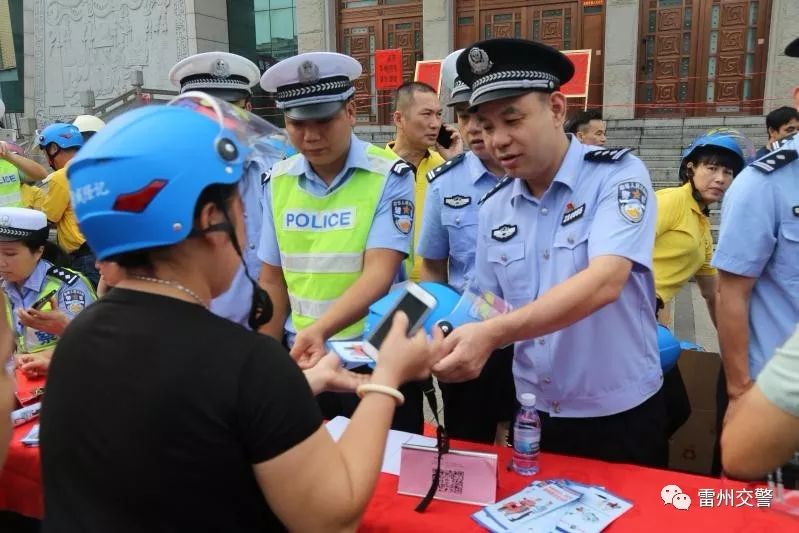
417 116
60 142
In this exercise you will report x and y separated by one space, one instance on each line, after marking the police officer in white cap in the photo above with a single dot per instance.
230 77
341 218
41 298
88 125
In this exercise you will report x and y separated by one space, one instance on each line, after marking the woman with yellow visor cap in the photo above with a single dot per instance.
41 298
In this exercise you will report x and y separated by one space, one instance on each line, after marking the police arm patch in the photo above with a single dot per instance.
402 215
632 197
504 232
75 301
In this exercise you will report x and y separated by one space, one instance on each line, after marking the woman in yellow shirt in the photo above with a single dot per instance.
683 244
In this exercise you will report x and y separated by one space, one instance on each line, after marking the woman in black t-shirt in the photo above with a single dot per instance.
160 416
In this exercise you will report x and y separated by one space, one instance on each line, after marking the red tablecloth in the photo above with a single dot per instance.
21 492
389 511
21 478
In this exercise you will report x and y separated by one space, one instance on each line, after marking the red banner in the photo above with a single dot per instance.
429 72
388 69
578 85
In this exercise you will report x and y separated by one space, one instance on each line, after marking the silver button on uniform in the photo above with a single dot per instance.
503 258
556 407
546 253
570 240
544 210
547 381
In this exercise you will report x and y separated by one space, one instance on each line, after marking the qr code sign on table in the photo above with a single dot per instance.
450 481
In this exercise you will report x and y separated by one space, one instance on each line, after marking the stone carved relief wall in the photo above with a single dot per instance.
97 44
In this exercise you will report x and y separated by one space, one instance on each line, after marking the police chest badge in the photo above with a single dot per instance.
75 301
632 201
402 213
458 201
504 232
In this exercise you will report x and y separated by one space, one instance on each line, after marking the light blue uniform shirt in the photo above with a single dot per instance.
759 238
449 223
72 299
383 233
235 303
608 362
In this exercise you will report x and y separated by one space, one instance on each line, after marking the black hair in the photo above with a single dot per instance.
710 155
780 117
51 251
581 119
218 194
405 92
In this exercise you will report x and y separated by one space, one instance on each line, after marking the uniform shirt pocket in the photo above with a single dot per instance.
511 269
785 258
571 248
461 226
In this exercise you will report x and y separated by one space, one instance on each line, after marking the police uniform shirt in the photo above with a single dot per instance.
383 233
72 299
449 223
608 362
759 238
234 304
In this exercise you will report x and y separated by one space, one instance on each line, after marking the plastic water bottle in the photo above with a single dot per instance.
526 437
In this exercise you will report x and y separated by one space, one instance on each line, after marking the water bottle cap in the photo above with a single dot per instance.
528 399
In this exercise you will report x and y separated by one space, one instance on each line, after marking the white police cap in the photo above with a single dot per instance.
459 91
18 223
313 85
221 74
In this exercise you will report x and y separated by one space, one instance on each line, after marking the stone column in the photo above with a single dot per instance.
438 28
207 25
29 61
316 26
621 55
782 72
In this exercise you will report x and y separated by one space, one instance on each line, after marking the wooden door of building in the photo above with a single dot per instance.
565 25
702 57
368 25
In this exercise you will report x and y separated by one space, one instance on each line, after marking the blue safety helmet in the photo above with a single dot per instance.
728 140
446 299
136 182
62 135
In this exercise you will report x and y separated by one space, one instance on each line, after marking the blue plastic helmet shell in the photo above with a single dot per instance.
63 135
446 298
175 150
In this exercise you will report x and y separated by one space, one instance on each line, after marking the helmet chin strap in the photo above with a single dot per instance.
261 308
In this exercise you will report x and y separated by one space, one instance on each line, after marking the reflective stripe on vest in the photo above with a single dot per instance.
322 239
9 185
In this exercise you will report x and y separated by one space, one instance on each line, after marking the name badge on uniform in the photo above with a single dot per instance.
504 232
75 301
572 213
457 201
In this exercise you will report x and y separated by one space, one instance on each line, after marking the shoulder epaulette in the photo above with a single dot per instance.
444 167
281 167
265 177
775 160
400 167
608 155
776 145
504 181
63 274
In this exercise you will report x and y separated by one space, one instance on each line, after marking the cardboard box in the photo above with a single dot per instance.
691 447
700 372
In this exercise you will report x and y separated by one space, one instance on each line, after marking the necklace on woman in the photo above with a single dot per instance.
173 284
